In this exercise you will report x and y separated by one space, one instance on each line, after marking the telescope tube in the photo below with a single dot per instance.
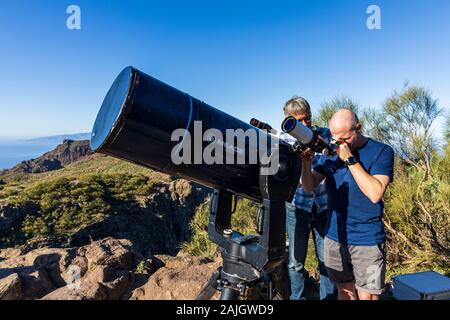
136 121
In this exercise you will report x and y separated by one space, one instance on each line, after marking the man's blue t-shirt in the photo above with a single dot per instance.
354 219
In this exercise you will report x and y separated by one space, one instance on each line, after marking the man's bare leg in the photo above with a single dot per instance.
367 296
346 291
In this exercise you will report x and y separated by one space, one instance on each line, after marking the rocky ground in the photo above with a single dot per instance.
105 269
128 256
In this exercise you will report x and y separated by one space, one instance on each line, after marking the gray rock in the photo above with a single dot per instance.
10 287
181 278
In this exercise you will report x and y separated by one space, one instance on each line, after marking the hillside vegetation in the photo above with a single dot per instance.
62 202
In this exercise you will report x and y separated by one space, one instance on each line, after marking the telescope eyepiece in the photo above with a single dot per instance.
262 125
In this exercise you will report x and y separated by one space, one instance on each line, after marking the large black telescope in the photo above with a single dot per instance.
136 121
139 115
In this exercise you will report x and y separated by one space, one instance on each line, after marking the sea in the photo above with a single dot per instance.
13 152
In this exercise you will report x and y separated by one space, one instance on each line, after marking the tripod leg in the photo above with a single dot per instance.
229 294
281 282
211 286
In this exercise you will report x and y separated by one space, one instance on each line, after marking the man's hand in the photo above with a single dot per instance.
309 179
372 186
344 151
307 156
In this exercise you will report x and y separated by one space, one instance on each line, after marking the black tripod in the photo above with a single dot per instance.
253 266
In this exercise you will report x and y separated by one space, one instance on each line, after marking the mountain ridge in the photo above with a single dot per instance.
67 152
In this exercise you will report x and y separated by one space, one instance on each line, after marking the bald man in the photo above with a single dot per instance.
356 178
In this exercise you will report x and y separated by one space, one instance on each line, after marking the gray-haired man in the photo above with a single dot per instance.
307 213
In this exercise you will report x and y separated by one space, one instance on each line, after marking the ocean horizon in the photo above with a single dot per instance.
14 152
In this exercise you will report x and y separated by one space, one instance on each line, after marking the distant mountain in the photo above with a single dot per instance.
15 150
67 152
58 139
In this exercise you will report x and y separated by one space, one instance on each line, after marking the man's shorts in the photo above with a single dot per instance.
363 265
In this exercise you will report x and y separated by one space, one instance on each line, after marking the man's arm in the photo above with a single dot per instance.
309 179
372 186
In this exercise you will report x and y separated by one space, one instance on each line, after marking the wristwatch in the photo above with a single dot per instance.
350 161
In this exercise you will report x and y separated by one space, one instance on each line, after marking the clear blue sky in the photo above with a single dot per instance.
245 57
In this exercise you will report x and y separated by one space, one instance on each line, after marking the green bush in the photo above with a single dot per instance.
66 205
417 217
35 226
243 221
